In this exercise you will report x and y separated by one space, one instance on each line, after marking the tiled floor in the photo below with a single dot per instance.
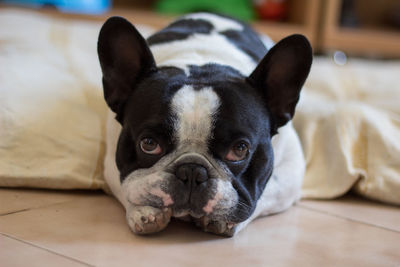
50 228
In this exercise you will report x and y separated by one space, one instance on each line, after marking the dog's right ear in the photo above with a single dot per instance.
125 59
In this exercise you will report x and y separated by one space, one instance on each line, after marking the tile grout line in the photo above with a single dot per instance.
34 208
16 211
37 207
48 250
349 219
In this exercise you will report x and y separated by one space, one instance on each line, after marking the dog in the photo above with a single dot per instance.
199 126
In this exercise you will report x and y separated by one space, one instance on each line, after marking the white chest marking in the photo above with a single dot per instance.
194 110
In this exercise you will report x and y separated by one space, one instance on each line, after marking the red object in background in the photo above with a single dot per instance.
271 9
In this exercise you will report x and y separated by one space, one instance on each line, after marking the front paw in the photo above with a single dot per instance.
216 227
147 219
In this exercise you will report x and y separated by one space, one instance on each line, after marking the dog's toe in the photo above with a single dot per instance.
216 227
147 220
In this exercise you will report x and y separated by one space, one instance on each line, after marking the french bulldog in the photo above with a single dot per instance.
199 123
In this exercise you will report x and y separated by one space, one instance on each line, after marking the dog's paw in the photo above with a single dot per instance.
148 220
216 227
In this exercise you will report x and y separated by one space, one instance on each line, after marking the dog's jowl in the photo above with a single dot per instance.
199 125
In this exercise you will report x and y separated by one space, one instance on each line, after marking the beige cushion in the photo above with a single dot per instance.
51 107
349 123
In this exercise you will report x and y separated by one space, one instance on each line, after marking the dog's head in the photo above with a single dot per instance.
198 141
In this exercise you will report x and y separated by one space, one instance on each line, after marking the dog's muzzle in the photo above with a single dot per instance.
196 183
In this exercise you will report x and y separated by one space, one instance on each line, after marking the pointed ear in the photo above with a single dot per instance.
280 76
125 58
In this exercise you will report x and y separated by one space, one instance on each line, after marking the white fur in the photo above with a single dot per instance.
111 172
220 23
220 199
194 110
200 49
138 185
267 41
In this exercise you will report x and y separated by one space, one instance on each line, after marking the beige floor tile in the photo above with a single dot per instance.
358 209
93 230
15 253
15 200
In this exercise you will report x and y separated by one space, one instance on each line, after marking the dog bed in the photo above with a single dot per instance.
52 114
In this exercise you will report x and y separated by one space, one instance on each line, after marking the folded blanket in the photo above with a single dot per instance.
349 122
52 114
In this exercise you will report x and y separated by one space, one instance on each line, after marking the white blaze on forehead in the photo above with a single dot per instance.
220 23
194 110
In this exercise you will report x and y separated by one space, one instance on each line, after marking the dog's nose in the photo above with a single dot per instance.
193 173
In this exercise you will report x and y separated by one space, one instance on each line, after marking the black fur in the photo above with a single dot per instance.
180 30
247 41
125 59
281 75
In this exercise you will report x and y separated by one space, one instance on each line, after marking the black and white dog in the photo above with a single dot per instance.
200 124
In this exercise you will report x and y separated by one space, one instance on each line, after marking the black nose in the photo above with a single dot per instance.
192 173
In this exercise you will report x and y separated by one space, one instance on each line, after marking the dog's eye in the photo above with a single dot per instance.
150 146
238 152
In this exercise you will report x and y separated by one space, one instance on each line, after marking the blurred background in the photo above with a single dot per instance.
341 28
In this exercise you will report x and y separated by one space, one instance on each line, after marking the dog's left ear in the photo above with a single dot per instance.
280 76
125 58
